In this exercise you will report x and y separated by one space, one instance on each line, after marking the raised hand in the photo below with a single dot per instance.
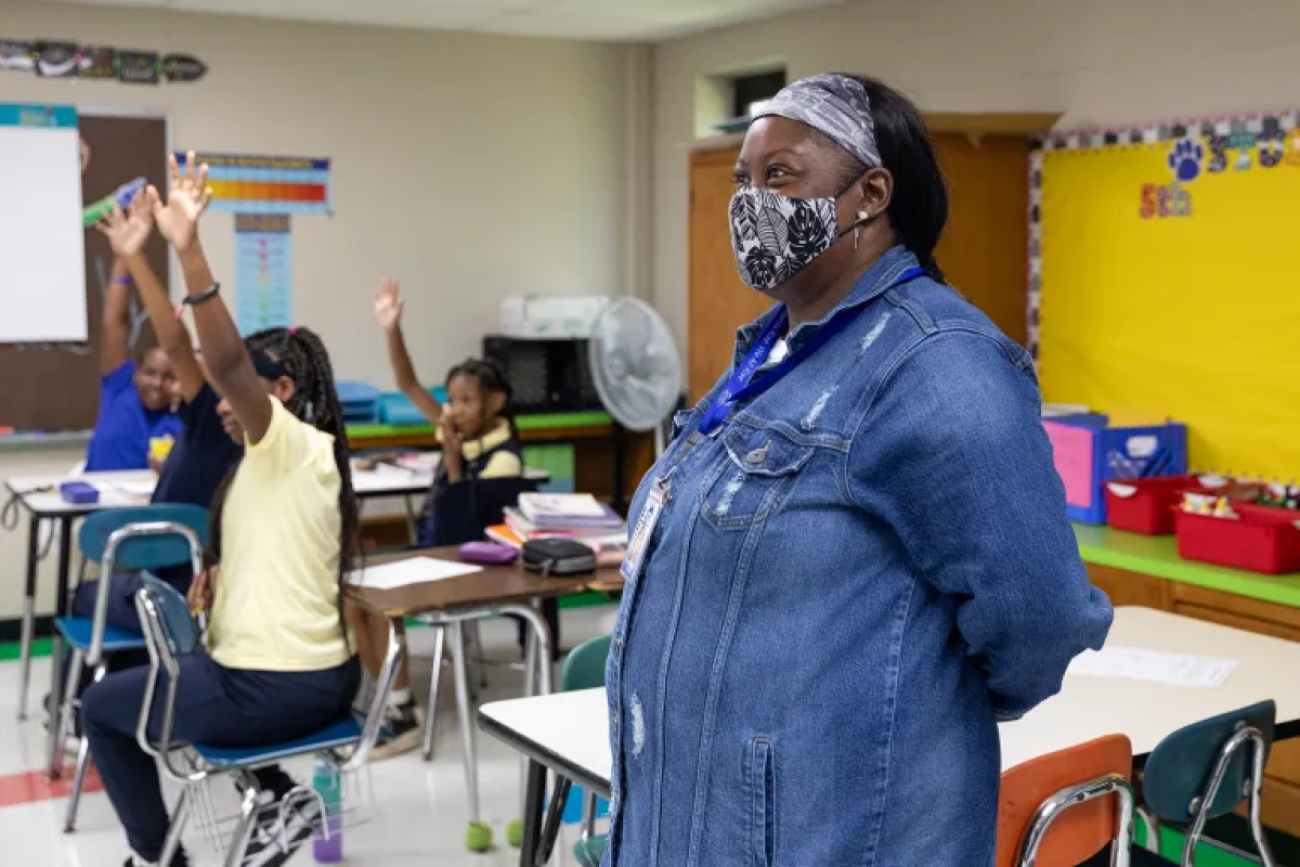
187 199
128 232
453 455
388 304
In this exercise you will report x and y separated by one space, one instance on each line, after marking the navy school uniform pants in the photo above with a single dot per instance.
215 706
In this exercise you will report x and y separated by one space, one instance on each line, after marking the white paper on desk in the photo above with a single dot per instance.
417 570
1153 666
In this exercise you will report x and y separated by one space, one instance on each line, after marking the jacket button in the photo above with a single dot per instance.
757 456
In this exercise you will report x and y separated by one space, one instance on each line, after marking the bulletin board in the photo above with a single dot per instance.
1165 277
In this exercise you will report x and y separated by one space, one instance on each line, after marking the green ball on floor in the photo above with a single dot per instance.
478 838
515 832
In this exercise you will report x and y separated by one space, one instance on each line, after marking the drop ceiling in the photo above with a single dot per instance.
613 20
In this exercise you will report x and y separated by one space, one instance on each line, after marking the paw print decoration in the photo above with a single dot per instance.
1186 158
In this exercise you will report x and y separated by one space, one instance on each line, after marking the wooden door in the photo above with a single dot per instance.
719 302
984 252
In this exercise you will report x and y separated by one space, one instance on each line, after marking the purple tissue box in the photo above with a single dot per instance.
79 493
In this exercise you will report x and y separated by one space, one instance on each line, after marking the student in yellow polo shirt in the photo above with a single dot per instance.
284 532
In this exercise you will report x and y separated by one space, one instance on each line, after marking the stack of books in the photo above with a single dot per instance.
580 517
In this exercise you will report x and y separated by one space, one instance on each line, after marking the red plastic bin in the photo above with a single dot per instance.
1261 539
1146 506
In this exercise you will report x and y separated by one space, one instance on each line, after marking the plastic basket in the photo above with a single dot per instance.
1259 539
217 802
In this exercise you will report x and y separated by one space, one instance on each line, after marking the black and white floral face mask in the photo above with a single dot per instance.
776 236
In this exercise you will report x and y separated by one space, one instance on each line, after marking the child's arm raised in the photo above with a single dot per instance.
229 366
388 312
115 338
127 233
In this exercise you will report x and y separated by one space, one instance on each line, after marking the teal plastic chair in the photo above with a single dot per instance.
134 539
585 669
1208 769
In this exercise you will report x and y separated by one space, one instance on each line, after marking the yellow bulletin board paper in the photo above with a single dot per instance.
1170 282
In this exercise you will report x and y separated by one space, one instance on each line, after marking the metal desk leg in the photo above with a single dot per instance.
554 817
466 718
431 712
29 612
534 794
56 646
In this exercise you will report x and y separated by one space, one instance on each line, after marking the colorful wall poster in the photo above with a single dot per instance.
263 272
1163 278
267 185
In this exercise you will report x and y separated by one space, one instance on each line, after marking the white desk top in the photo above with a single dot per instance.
573 727
40 494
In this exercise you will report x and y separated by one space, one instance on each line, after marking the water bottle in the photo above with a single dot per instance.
329 785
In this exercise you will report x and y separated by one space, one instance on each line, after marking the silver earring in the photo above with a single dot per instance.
863 216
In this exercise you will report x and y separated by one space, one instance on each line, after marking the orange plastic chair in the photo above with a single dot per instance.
1056 810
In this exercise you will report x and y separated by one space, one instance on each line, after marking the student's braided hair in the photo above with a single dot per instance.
315 400
492 379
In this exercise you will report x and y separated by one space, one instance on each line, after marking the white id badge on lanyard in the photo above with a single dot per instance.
645 527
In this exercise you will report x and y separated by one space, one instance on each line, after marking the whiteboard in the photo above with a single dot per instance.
42 242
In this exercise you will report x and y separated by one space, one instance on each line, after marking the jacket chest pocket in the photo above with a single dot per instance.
761 466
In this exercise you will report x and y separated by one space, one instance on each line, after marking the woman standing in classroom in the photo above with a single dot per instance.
853 560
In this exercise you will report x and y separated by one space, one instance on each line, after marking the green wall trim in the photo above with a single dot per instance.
1158 556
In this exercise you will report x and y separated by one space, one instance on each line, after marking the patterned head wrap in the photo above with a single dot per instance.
836 106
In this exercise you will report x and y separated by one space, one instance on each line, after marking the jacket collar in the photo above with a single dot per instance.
871 285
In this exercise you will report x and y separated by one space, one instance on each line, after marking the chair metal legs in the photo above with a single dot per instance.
244 829
466 715
431 714
1053 807
1201 806
61 716
180 817
78 780
1152 825
71 707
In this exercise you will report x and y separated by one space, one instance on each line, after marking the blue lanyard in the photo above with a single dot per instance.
741 385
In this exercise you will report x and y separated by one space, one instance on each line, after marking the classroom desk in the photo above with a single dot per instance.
451 602
39 495
609 461
1147 571
569 732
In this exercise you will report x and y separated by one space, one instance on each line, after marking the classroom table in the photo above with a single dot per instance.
568 733
39 495
452 602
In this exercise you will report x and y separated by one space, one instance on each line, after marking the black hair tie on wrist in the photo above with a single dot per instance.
206 295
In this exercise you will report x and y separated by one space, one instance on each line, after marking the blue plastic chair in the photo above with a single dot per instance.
171 633
1207 769
135 539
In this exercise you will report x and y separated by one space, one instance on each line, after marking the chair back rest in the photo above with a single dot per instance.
1081 831
145 537
584 668
169 626
1180 767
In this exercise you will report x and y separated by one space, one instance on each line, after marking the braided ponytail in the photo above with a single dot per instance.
315 400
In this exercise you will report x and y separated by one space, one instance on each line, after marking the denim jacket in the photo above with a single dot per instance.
850 583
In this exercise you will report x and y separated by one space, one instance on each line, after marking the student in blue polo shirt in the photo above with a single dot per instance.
136 397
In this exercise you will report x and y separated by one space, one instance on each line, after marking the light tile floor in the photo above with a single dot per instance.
419 813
